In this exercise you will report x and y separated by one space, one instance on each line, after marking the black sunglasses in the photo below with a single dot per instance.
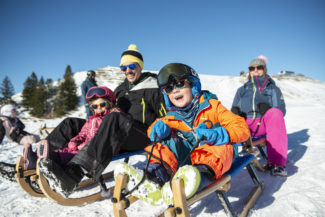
174 84
252 68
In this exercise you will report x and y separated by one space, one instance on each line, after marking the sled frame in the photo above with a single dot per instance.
52 195
180 207
256 145
45 129
24 179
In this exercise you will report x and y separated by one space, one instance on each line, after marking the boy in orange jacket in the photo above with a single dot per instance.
196 121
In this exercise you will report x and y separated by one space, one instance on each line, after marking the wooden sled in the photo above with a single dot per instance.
180 207
44 131
256 145
27 179
103 193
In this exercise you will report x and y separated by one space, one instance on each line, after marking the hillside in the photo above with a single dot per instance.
300 194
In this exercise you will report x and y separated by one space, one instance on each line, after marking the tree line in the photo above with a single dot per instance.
41 97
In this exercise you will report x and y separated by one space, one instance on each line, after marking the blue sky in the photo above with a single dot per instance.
214 37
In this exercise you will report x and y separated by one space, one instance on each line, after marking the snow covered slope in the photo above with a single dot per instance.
301 194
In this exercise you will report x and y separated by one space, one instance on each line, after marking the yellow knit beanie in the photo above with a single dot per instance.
132 55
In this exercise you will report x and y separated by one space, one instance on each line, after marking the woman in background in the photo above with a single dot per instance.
261 102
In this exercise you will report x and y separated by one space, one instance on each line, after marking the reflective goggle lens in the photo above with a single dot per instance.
96 92
131 66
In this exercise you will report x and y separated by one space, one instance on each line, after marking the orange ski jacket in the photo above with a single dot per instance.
173 150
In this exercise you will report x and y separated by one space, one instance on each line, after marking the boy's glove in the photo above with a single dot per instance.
216 136
159 131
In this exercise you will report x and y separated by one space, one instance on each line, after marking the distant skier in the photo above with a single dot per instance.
89 82
193 115
262 104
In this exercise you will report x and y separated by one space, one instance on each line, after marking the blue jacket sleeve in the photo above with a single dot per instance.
278 100
236 102
84 90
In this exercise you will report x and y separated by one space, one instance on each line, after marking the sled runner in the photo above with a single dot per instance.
27 179
104 192
180 208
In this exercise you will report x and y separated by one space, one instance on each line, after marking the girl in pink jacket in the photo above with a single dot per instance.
101 101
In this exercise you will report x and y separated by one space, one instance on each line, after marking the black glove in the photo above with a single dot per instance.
263 107
236 111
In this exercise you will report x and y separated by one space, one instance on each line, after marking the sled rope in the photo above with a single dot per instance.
145 171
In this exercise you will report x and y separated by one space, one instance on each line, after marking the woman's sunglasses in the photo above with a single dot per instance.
175 84
95 106
252 68
132 66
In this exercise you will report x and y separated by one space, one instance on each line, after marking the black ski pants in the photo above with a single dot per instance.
117 133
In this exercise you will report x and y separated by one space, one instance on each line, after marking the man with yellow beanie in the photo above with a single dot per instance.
139 94
131 63
141 102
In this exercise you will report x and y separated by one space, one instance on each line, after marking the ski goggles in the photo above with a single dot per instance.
174 84
96 92
100 105
132 66
252 68
174 71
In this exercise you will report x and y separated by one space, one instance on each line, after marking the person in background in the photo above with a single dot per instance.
262 104
12 127
197 131
141 102
89 82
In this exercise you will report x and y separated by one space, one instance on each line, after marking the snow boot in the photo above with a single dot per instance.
63 180
191 177
148 191
278 171
157 173
30 158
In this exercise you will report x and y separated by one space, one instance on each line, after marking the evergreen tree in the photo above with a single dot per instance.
39 99
30 87
67 98
68 69
51 92
7 91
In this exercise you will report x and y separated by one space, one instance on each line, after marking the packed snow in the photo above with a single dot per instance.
300 194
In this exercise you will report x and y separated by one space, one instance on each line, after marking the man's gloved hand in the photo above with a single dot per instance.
216 136
159 131
263 107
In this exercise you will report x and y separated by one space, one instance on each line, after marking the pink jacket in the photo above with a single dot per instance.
87 132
